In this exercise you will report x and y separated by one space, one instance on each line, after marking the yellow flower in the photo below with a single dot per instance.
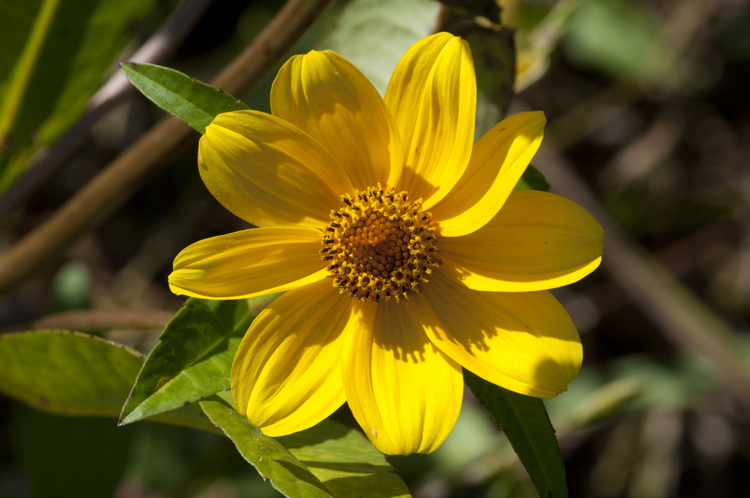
383 222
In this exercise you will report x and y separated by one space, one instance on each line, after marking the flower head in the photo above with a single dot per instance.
404 250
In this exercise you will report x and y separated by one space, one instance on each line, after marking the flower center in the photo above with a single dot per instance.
380 245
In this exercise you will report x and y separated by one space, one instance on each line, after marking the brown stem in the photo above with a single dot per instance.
95 320
124 176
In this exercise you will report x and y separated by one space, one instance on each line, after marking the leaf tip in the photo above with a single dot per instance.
126 420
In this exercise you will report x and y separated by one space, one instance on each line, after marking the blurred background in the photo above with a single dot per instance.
648 112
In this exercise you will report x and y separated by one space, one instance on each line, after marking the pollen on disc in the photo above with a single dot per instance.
380 245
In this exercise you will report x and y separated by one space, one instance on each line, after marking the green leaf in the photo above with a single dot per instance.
345 461
328 460
374 34
272 461
532 179
621 38
524 420
192 360
53 57
194 102
58 453
17 21
70 373
67 372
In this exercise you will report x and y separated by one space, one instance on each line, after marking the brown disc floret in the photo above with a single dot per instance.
380 245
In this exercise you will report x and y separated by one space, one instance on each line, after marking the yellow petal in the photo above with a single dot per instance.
324 95
403 391
523 341
268 172
248 263
537 241
498 160
286 375
432 95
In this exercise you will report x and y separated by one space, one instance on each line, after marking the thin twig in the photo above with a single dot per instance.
162 44
123 177
96 320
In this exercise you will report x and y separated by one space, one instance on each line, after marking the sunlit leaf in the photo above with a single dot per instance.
328 460
272 461
53 57
524 420
67 372
70 373
374 34
345 461
194 102
192 360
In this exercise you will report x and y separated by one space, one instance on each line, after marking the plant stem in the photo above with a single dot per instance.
96 320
